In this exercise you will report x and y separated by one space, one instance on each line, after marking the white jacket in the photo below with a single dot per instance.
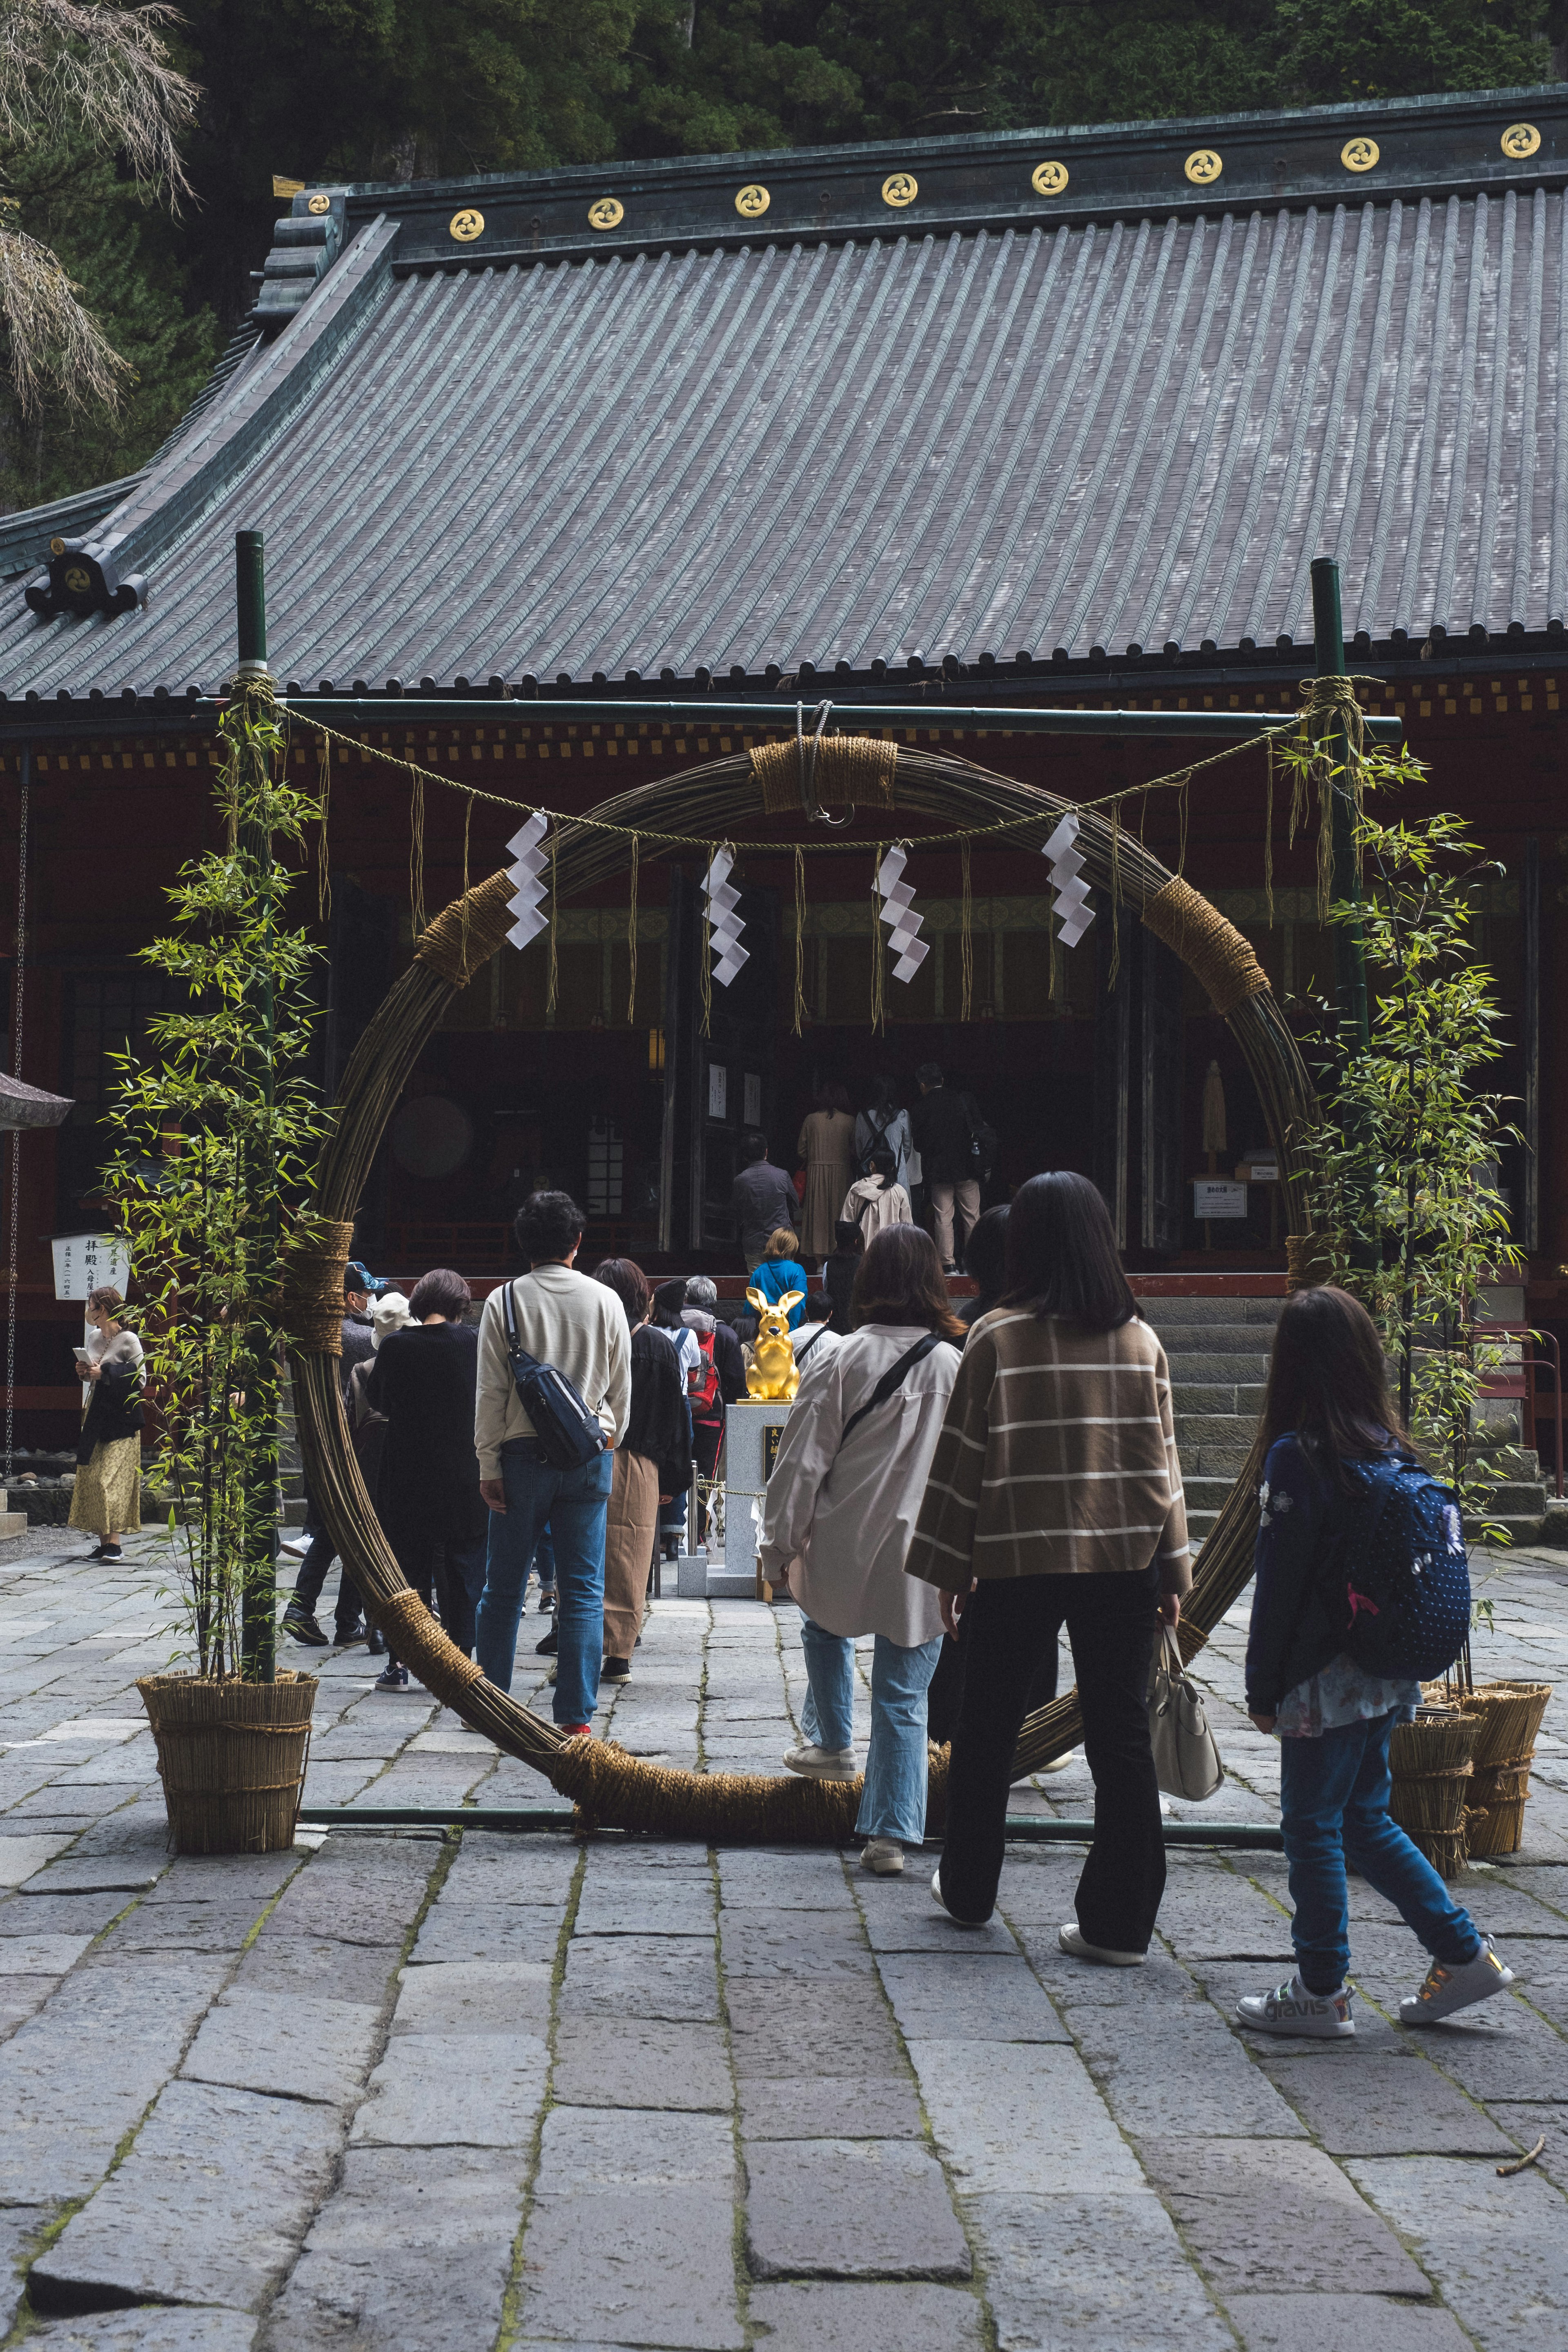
566 1320
871 1204
842 1516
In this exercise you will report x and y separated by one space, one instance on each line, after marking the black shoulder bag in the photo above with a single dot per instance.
893 1378
568 1433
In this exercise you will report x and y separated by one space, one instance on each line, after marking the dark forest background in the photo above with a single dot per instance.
405 89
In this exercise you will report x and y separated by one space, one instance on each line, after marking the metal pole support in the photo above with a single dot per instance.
1349 952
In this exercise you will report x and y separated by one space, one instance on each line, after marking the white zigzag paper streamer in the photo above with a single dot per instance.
1071 906
526 890
724 925
897 910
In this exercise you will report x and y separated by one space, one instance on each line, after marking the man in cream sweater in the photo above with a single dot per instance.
579 1326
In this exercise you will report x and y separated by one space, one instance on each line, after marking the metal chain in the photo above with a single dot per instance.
17 1133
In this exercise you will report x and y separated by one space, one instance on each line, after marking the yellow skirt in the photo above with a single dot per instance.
107 1497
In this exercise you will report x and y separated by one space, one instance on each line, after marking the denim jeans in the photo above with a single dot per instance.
573 1502
1333 1804
893 1802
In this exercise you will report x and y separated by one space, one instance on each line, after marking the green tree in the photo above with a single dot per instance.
1331 50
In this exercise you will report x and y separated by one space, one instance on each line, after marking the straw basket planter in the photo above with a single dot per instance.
1431 1762
231 1756
1507 1716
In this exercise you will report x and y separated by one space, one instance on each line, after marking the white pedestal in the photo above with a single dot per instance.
750 1444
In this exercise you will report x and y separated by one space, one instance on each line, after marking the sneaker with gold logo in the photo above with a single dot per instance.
1447 1989
1292 2008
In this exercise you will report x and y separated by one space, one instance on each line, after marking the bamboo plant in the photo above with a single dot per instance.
1404 1161
217 1125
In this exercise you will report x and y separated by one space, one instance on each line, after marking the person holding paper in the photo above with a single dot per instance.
107 1497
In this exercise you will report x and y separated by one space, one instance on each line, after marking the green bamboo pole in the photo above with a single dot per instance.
258 1631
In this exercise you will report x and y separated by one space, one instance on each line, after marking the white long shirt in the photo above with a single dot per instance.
842 1515
565 1319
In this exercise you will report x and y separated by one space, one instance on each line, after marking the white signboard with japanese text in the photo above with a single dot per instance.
1213 1196
86 1262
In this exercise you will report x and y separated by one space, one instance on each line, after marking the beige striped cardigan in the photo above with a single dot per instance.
1057 1455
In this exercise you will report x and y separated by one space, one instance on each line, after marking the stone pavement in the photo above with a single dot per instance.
411 2092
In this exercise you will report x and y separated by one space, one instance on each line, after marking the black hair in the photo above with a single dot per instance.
548 1224
440 1292
1061 1253
817 1309
1328 1381
883 1164
849 1241
630 1285
833 1095
986 1257
900 1280
929 1074
753 1147
884 1094
669 1298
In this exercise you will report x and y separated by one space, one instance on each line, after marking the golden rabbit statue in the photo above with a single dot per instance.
771 1374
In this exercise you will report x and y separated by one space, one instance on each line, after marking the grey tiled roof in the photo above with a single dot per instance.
1114 433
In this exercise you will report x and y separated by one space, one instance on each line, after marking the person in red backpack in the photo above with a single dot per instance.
1331 1426
722 1379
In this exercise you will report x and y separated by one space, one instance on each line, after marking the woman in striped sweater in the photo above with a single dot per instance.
1054 1498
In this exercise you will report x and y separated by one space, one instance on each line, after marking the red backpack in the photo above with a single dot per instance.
702 1385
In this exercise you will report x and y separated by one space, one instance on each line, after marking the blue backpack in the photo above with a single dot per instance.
1401 1586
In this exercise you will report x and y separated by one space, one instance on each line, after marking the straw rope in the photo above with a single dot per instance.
611 1787
1213 949
312 1297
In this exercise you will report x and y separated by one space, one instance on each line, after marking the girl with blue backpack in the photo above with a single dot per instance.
1363 1589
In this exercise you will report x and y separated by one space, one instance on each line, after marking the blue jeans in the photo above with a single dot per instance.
1334 1802
573 1502
893 1804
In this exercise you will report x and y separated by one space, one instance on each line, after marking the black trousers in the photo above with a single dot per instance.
1010 1622
448 1578
944 1698
313 1574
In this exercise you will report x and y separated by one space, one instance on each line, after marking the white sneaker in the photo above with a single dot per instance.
1060 1763
1446 1989
821 1763
884 1857
1292 2008
942 1906
1073 1940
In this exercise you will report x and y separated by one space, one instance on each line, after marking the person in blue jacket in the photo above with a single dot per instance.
1331 1423
780 1271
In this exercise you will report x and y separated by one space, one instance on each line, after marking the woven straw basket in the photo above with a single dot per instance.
231 1756
1507 1716
1430 1760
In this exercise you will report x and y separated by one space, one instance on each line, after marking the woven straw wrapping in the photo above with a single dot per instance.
312 1304
231 1756
1213 948
857 771
1507 1715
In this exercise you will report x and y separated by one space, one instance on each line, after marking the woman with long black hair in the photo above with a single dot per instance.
1332 1430
1055 1498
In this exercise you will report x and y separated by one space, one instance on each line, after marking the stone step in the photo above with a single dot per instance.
1521 1527
1170 1314
1241 1400
1518 1496
1215 1339
1216 1429
1220 1366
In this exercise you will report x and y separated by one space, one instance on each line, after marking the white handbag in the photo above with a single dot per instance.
1186 1760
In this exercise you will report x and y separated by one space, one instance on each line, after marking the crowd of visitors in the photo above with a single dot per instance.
957 1485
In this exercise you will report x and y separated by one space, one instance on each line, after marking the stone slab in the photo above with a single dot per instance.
220 1926
830 1945
828 2107
1024 2117
986 1999
1276 2215
493 1867
659 2266
1342 2322
481 1931
314 1968
792 2029
475 1997
1497 2249
672 1978
903 1917
831 2315
151 2329
19 2227
455 2090
614 2062
209 2207
782 1880
78 2075
1386 2106
850 2209
1179 2069
606 2151
293 2048
131 1872
411 2253
663 1906
1094 2273
27 1956
21 1857
1514 2054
